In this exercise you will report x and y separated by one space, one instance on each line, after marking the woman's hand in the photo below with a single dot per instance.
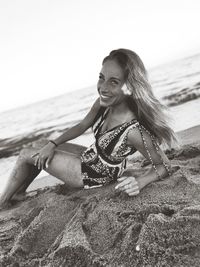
128 185
44 156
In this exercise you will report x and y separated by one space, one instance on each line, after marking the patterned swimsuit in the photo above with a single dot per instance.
105 160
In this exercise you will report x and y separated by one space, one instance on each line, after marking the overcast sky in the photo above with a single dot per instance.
48 48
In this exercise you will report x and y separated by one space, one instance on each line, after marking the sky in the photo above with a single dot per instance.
49 48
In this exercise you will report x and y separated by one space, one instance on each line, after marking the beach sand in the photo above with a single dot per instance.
102 227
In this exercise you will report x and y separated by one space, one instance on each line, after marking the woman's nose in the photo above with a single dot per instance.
103 87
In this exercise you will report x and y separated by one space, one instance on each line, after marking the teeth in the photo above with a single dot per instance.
105 97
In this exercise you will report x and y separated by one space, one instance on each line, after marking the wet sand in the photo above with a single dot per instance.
102 227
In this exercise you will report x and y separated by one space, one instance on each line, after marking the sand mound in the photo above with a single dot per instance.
102 227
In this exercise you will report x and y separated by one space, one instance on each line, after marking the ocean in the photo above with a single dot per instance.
176 84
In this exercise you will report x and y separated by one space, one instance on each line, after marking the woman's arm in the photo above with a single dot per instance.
81 127
137 139
44 156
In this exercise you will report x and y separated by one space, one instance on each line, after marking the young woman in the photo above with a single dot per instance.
125 118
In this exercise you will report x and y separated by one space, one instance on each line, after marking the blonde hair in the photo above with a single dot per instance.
148 109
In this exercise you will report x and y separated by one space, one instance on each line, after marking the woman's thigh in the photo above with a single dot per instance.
66 167
67 147
71 148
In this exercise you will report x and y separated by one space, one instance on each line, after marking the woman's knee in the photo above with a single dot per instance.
27 153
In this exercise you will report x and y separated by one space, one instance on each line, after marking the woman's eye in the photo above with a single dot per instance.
114 82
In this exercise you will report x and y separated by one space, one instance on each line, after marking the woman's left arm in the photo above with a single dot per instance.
140 139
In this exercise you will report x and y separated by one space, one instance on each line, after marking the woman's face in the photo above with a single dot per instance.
111 80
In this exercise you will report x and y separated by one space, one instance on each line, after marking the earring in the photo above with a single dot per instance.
126 90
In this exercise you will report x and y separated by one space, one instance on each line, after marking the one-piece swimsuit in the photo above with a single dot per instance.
105 160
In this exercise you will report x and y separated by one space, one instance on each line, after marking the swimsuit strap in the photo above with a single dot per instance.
100 114
149 154
117 132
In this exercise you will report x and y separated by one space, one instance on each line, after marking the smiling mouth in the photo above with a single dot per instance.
104 96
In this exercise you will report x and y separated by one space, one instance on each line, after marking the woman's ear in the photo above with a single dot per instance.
126 90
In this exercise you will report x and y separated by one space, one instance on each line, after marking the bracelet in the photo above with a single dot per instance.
50 141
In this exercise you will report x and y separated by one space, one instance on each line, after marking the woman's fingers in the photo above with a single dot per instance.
125 181
128 185
121 178
36 161
131 189
39 163
40 160
43 157
122 182
135 193
42 163
34 155
48 160
46 164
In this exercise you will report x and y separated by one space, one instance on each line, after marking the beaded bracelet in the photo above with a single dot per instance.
50 141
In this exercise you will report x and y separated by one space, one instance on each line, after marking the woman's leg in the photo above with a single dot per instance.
64 166
22 171
65 147
72 148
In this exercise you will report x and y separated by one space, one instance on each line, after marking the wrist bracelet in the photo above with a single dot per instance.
50 141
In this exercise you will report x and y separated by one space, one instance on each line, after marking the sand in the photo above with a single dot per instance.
102 227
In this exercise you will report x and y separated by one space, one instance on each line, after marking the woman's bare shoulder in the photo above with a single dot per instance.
89 118
96 104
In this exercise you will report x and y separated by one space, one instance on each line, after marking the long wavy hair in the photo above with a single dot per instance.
149 111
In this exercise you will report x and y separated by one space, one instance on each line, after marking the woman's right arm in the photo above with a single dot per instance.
44 156
81 127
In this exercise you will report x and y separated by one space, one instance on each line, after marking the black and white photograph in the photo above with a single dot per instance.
99 133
